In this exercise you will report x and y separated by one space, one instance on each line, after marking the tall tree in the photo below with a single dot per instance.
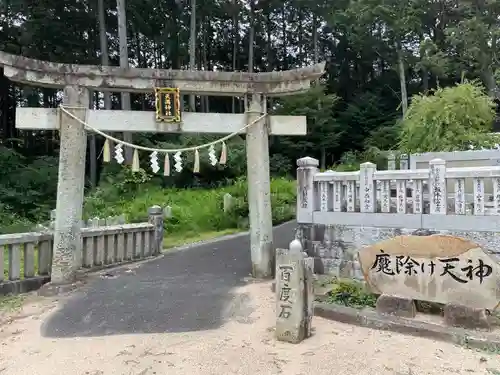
124 63
192 50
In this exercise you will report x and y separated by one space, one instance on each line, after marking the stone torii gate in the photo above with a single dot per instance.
77 80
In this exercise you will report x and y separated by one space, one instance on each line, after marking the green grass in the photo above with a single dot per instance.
11 303
188 238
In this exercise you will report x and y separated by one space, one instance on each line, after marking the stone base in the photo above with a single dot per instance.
397 306
371 319
290 337
51 289
23 286
465 317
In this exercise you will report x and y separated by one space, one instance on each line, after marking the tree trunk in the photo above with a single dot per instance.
205 61
283 28
251 36
315 60
490 83
402 79
236 27
103 37
125 96
192 50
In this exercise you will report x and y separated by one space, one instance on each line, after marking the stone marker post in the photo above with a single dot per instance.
259 193
294 295
155 217
227 202
71 180
167 212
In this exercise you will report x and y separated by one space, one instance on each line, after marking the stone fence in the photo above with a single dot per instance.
25 258
340 212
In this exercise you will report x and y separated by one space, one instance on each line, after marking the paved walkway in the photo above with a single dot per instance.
183 291
191 312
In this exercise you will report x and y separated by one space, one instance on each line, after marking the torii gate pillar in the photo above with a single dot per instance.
70 187
259 192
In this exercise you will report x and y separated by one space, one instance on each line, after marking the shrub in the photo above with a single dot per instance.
452 119
351 293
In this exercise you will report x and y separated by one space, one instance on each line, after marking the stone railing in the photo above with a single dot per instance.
25 258
422 196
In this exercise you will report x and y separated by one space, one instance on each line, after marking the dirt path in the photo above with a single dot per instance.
241 346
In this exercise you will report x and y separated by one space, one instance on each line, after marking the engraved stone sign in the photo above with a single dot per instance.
293 286
436 268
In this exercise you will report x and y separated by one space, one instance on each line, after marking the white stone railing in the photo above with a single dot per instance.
422 197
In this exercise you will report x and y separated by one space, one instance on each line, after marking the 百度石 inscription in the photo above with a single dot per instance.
285 307
436 268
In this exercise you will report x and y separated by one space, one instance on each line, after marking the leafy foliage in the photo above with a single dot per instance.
452 118
351 293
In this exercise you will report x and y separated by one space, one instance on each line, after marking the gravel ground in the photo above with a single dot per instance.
244 345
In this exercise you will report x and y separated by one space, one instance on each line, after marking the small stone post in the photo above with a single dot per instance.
67 251
227 202
167 212
259 193
294 294
155 214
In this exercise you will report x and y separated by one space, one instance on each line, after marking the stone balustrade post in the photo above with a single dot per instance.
367 189
391 161
404 162
155 217
306 200
437 187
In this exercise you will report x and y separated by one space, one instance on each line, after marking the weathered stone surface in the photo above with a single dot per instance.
24 70
403 307
438 268
467 317
67 250
293 323
259 193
